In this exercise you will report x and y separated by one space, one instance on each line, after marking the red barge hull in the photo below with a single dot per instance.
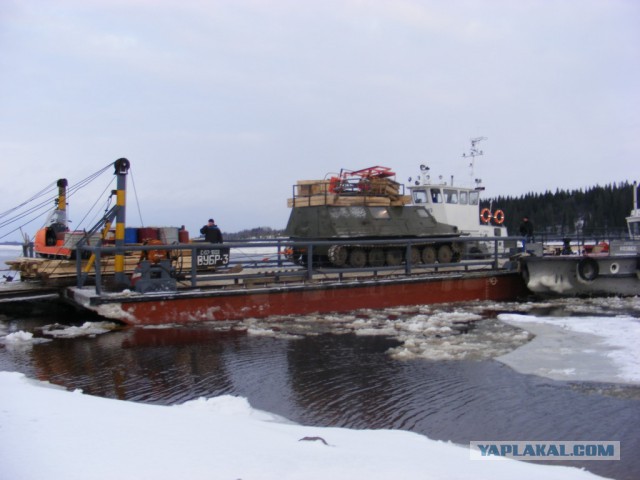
193 306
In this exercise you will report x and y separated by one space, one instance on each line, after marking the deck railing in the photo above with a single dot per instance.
268 258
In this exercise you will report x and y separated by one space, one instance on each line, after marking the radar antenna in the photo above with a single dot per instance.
473 153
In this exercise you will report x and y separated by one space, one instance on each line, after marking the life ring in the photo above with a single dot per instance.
485 215
587 269
498 217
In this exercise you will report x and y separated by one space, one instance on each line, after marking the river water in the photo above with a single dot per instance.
430 370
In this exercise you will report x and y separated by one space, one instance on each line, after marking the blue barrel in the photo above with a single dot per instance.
130 235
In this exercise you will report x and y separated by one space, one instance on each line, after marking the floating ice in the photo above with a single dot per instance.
584 348
21 340
443 332
87 329
19 337
468 331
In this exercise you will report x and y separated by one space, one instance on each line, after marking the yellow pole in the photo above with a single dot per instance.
121 167
92 258
62 194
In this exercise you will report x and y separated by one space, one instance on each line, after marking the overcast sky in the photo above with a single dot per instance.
222 105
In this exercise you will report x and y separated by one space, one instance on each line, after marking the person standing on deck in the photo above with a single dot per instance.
211 232
526 229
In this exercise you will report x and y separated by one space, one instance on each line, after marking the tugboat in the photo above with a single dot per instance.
612 269
459 205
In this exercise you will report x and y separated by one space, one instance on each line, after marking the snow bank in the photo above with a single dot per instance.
55 434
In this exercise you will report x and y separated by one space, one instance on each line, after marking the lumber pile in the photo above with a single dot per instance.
309 188
47 269
367 191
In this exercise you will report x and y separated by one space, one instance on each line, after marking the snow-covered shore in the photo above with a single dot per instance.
48 432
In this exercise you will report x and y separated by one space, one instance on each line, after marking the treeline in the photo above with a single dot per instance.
257 233
596 211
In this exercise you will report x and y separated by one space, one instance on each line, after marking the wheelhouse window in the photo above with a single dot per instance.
474 197
464 198
436 195
420 196
450 196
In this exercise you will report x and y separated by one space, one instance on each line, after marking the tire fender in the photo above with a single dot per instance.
587 269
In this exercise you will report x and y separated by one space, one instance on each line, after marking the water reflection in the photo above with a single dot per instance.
157 366
351 386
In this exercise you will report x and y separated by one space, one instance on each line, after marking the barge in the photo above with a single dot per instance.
292 290
142 284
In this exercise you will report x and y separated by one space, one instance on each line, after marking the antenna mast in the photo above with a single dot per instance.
473 153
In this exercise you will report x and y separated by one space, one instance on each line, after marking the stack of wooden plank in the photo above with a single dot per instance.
309 193
401 200
46 269
49 269
370 191
309 188
312 200
383 186
370 200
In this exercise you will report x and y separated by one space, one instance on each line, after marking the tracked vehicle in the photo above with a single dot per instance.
356 206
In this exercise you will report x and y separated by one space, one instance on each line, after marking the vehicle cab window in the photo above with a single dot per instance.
380 213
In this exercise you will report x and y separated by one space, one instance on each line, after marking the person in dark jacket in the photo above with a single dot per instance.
526 229
211 232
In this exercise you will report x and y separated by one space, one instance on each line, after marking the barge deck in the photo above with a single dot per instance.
242 290
266 284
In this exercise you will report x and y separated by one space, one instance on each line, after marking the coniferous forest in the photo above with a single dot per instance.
596 211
